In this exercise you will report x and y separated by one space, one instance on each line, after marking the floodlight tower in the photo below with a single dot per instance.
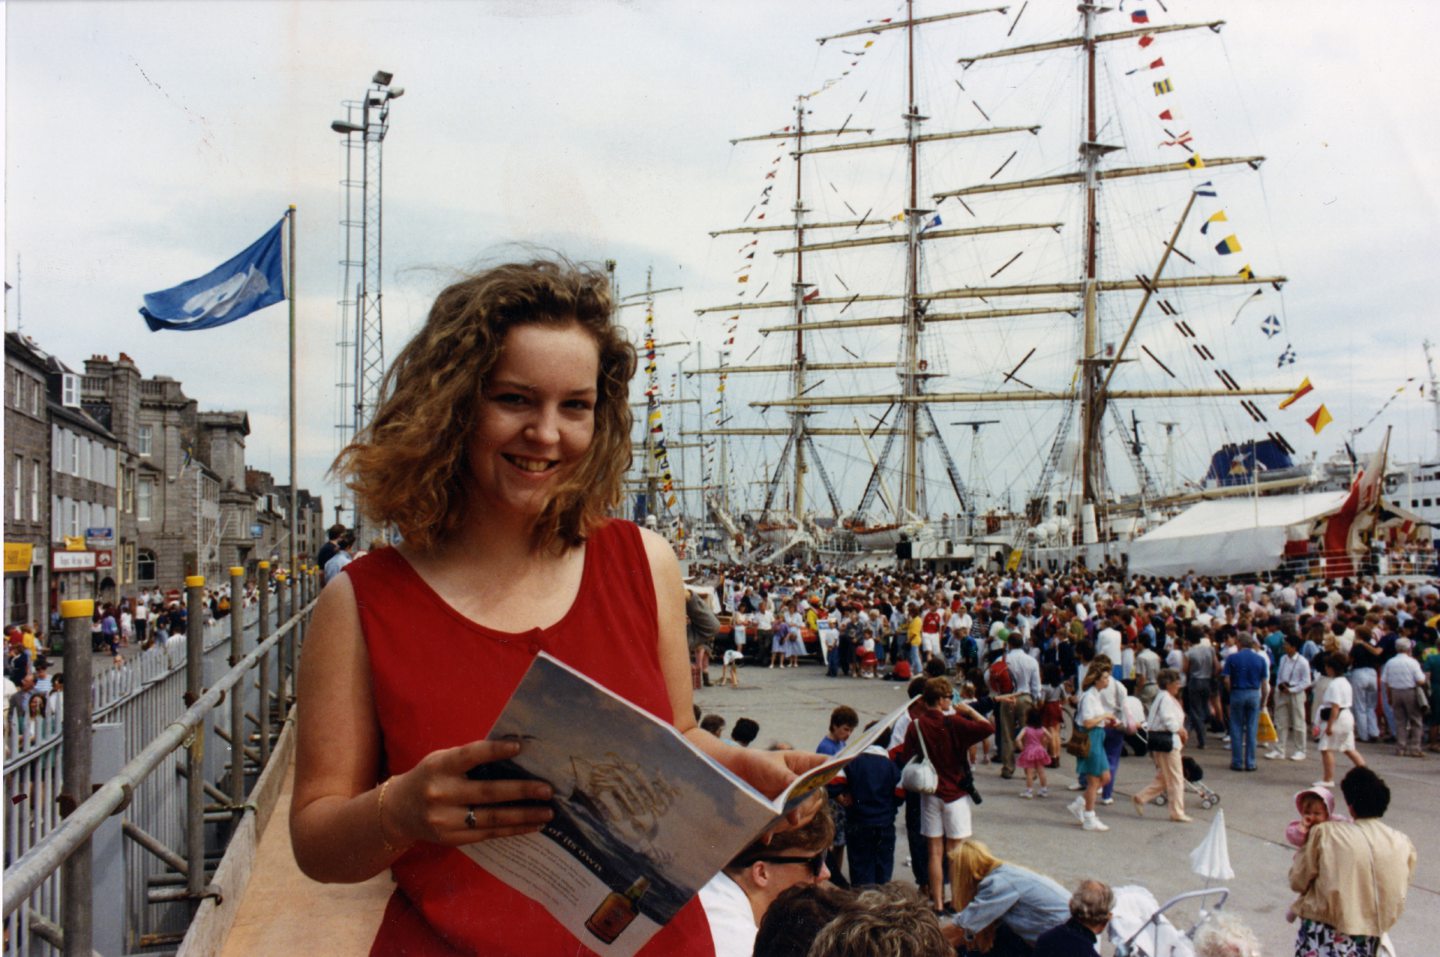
360 342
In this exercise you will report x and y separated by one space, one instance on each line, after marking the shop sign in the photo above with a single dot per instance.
19 556
100 537
69 561
74 543
105 558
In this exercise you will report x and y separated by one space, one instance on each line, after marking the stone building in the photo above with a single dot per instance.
220 441
110 393
84 490
116 483
177 495
27 482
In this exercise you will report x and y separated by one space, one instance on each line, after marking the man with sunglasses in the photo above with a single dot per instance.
737 898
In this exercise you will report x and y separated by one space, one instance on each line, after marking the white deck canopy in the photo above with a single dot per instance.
1230 536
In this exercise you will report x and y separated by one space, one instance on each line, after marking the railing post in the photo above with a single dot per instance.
237 697
297 633
195 753
76 890
263 577
282 682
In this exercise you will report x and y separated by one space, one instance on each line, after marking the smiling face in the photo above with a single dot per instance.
536 419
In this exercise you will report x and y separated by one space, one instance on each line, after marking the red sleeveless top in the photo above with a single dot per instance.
443 903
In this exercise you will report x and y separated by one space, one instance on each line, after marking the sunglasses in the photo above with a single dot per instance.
816 863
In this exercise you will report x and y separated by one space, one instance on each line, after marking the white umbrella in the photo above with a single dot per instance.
1211 860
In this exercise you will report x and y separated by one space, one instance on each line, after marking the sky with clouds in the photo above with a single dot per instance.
147 142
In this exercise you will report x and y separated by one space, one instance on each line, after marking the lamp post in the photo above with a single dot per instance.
361 339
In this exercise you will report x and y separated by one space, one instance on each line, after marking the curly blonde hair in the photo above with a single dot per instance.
409 468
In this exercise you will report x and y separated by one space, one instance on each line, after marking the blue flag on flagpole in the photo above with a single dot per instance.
252 280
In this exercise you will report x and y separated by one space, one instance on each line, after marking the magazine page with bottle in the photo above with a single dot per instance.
643 818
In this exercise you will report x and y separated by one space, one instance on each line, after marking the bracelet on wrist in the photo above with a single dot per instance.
380 815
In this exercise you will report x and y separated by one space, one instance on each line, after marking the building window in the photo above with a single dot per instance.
70 390
144 496
144 438
145 566
129 491
19 485
34 398
34 491
73 440
74 516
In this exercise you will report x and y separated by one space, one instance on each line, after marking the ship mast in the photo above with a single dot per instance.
798 416
910 358
1091 400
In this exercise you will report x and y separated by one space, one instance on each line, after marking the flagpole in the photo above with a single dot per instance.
294 477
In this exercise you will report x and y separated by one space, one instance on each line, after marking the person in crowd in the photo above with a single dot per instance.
497 452
1200 668
797 916
1292 681
1335 721
341 558
713 723
944 815
1247 680
745 731
871 780
735 901
843 720
1404 682
1090 908
888 921
1032 743
1015 703
701 626
1351 878
1093 718
1366 658
842 724
332 545
1002 909
1316 806
1167 736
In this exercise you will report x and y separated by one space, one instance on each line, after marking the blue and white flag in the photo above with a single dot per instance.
252 280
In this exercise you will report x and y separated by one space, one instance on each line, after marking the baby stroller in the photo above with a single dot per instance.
1194 784
1139 927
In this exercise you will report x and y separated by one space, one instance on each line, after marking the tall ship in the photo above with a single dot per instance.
999 297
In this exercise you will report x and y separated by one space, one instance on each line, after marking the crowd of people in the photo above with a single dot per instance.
1140 667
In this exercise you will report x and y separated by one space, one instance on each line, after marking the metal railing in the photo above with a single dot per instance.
157 713
1319 563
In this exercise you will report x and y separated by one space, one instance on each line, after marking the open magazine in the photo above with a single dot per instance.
643 819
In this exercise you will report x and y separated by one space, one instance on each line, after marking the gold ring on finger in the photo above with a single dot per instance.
470 816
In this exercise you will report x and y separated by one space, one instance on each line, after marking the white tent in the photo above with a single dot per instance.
1230 536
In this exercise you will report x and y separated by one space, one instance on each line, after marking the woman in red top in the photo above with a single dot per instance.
944 815
500 445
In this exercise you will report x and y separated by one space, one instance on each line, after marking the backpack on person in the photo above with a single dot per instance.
998 677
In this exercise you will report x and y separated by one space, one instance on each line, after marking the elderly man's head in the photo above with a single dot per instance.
1091 904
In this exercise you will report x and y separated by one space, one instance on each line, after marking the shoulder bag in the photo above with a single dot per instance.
1079 743
920 775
